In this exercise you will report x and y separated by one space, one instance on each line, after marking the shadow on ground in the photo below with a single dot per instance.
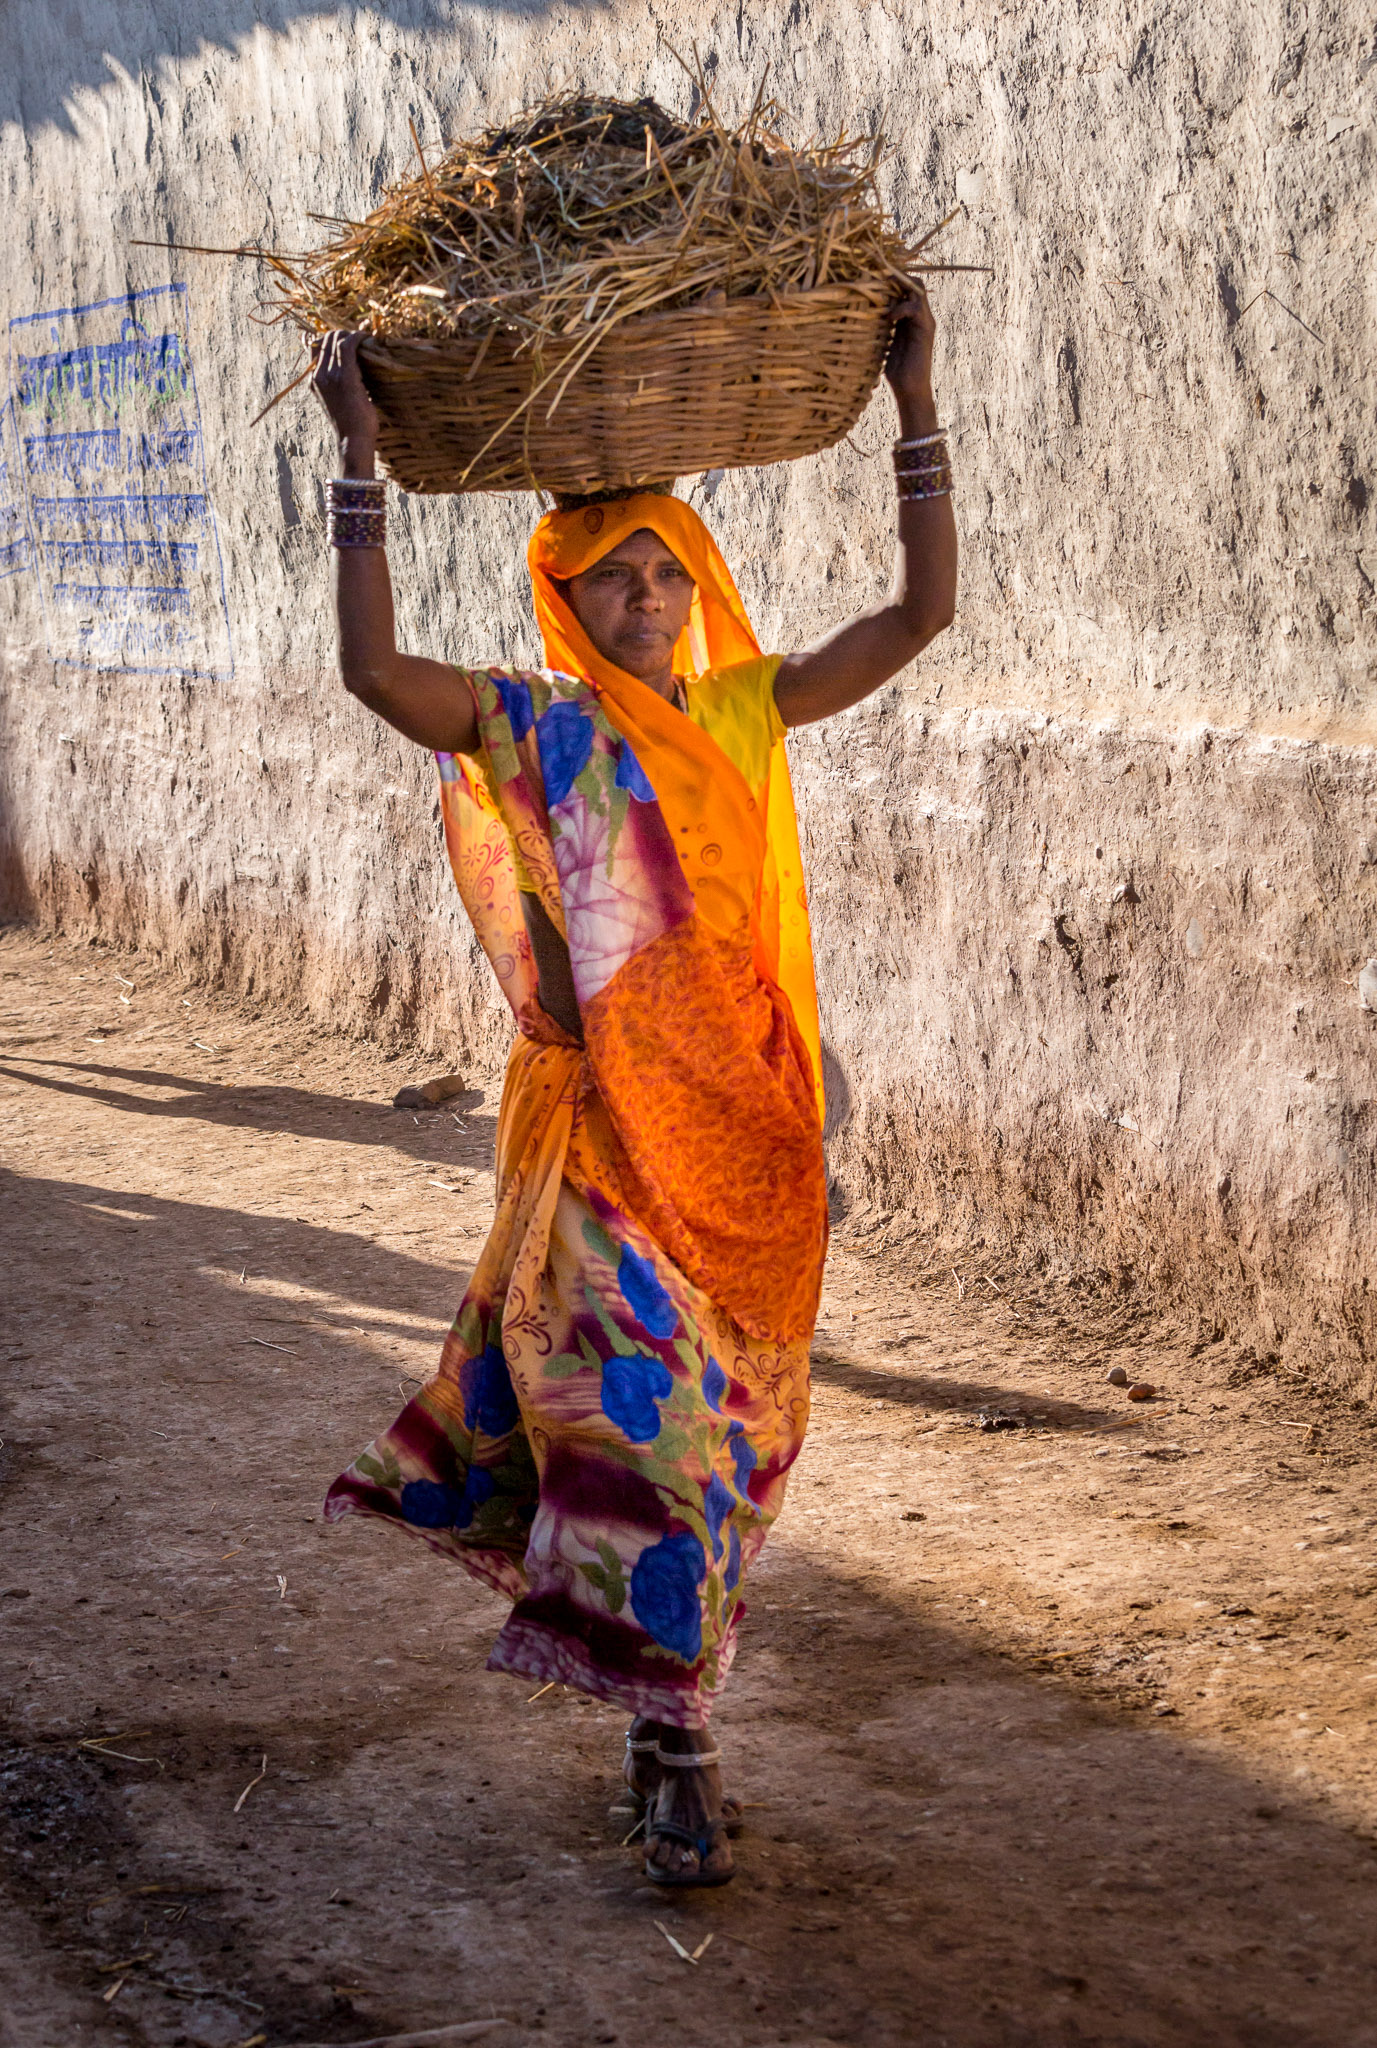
945 1845
307 1112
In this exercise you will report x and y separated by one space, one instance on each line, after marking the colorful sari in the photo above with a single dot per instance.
625 1387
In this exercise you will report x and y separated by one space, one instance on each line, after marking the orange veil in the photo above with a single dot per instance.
758 871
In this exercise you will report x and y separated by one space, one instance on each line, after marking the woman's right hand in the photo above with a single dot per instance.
338 382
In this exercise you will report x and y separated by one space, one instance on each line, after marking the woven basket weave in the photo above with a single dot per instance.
716 385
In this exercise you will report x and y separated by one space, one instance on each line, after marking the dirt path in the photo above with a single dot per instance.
1059 1733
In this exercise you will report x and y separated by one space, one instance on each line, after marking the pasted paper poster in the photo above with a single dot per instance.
106 437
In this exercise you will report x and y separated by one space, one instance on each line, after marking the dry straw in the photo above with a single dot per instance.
598 294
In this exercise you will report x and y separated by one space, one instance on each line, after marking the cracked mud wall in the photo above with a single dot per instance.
1094 882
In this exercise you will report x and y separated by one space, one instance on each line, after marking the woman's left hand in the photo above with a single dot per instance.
908 366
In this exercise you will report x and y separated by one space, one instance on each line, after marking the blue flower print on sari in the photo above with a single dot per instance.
565 738
644 1296
489 1398
516 702
733 1571
714 1386
718 1502
664 1593
479 1487
630 1389
744 1455
630 775
427 1504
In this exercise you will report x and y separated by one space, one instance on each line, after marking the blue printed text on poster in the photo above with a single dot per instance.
107 430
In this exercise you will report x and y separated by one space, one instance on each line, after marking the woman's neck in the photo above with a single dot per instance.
664 685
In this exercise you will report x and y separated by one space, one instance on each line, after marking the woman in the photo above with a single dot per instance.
625 1388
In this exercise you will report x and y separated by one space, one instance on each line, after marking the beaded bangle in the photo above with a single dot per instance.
357 511
358 529
922 468
936 484
355 494
920 454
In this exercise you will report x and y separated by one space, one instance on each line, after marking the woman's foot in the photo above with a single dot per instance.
643 1775
685 1825
641 1771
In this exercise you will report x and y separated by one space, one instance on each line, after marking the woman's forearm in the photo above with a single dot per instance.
854 659
857 657
924 590
428 701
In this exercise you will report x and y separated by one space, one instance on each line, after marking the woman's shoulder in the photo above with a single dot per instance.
736 707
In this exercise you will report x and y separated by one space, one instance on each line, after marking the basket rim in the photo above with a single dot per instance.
878 299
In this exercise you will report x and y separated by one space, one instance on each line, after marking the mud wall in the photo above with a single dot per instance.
1093 884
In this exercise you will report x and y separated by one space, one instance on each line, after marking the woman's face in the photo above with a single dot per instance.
633 604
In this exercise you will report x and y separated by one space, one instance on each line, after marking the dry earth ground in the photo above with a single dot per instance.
1054 1734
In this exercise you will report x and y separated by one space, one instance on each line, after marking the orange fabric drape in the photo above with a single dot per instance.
744 866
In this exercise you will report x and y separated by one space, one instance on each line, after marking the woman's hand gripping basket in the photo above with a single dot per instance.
598 296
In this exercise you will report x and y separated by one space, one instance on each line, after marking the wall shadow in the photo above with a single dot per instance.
66 49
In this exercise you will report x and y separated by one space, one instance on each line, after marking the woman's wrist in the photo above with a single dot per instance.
358 455
917 414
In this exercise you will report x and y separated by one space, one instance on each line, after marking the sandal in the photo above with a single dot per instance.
702 1844
632 1805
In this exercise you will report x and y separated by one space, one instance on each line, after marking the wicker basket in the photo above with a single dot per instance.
717 385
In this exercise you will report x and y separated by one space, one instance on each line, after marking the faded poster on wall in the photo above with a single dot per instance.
111 461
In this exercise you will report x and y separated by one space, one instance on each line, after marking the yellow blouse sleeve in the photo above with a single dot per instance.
736 707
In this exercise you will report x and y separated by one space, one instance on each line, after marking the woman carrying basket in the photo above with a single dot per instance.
609 1433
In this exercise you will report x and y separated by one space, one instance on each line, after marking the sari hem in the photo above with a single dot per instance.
527 1650
492 1568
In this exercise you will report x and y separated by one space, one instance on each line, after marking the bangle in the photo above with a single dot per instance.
922 468
356 507
929 453
358 529
355 494
936 484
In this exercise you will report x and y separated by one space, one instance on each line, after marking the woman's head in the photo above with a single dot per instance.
618 581
633 603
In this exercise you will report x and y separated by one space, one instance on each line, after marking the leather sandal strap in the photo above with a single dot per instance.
688 1760
703 1843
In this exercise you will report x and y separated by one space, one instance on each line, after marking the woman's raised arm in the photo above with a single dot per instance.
854 659
425 700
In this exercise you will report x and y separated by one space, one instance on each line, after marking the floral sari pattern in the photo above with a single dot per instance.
608 1435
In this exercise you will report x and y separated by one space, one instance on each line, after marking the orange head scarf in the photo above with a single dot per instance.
564 544
762 867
